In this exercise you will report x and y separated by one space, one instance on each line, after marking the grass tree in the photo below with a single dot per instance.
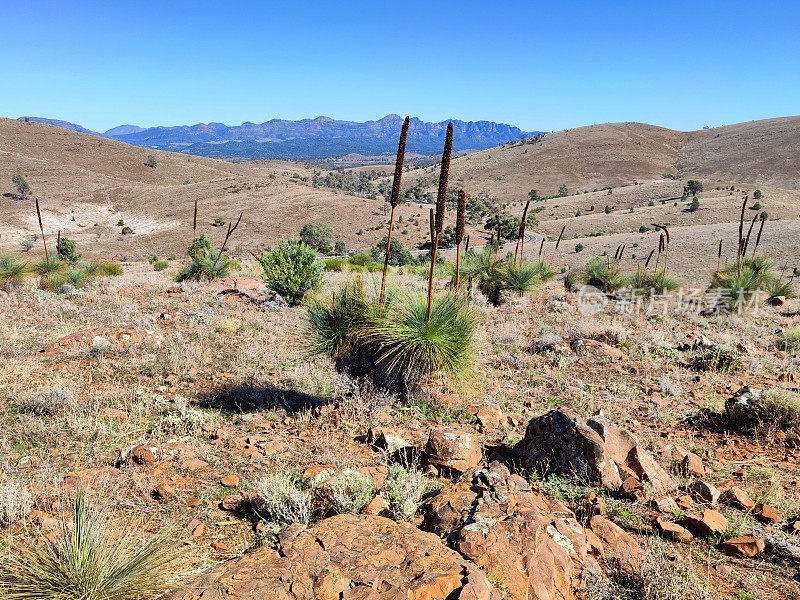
394 200
441 199
91 558
461 210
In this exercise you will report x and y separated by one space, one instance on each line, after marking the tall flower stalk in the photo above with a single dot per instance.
394 200
460 218
441 198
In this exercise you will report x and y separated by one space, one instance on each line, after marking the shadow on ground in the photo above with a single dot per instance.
251 396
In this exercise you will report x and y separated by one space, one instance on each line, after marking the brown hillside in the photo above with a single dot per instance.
86 185
763 153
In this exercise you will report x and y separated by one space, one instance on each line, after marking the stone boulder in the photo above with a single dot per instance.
533 544
346 557
453 449
593 450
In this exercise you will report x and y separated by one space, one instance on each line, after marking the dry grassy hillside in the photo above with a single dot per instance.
583 159
759 152
86 185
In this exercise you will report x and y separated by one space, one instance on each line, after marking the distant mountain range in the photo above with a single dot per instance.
308 139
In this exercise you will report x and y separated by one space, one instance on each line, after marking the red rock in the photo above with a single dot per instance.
737 498
193 464
672 530
617 543
702 491
746 546
144 454
193 502
456 450
220 547
229 481
343 557
488 415
562 439
768 514
665 504
707 522
377 506
232 502
689 461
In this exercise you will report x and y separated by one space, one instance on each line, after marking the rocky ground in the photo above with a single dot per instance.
590 456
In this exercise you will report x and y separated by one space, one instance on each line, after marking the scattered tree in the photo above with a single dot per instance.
693 187
23 189
563 191
151 161
317 236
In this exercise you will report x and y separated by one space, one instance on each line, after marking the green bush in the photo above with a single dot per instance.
67 250
49 265
110 269
413 348
578 247
757 195
374 267
160 265
361 259
398 255
292 269
198 246
335 264
317 236
599 274
716 359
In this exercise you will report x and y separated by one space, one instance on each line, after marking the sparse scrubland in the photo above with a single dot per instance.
463 424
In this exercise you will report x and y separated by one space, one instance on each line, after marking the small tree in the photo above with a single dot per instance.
317 236
607 209
292 269
398 255
151 161
695 205
578 247
340 248
67 250
757 195
563 191
693 187
533 195
23 189
199 246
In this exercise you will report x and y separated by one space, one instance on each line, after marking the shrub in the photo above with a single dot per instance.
49 265
67 250
160 265
695 205
12 271
578 247
361 259
757 195
398 255
790 339
543 270
780 287
292 269
349 492
335 264
47 403
151 161
374 267
404 490
716 359
121 223
198 246
16 502
110 269
340 248
90 560
317 236
571 280
764 411
660 281
218 222
286 499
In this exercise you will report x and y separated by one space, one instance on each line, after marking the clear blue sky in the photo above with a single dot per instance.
537 65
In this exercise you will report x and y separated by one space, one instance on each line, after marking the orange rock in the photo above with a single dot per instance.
229 481
746 546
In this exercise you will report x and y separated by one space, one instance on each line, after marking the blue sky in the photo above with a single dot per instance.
537 65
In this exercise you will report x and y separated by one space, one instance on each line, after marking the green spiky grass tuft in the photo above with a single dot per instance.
414 349
520 278
207 266
90 560
12 270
